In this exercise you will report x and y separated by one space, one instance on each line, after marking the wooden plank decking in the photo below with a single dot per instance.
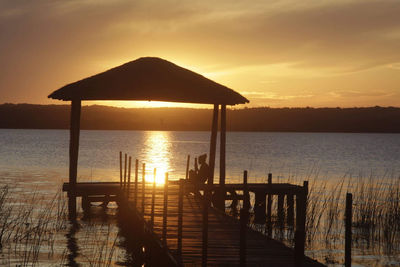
223 230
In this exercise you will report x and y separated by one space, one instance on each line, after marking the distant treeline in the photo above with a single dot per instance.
372 119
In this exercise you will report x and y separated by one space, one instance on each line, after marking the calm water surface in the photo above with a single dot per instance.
331 155
37 161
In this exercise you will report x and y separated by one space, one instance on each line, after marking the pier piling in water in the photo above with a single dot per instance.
260 207
281 212
125 168
120 168
153 199
143 186
180 215
135 195
206 204
300 233
187 167
73 156
165 211
290 209
243 221
269 206
348 225
129 176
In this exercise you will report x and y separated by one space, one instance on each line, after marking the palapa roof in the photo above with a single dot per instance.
152 79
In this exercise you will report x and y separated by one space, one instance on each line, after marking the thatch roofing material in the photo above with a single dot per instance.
152 79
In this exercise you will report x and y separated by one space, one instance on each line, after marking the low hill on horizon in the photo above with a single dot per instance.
368 119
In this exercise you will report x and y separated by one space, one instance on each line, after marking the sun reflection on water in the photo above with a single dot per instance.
157 155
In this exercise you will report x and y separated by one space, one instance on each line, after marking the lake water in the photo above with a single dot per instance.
328 155
37 160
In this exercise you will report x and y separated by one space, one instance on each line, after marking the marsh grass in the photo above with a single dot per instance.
34 230
377 216
28 226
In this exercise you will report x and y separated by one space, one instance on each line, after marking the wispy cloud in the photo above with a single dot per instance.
284 44
355 93
274 96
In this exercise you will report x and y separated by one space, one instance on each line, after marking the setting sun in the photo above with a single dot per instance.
148 104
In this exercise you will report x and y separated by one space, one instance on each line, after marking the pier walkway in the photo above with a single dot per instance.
188 236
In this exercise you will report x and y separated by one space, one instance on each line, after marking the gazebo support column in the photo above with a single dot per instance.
222 146
213 144
73 155
220 196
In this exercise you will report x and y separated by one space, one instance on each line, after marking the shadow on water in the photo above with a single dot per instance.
72 244
142 249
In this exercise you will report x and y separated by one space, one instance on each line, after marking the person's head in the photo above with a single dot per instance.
202 158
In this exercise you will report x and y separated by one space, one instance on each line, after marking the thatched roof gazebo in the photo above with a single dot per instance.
148 79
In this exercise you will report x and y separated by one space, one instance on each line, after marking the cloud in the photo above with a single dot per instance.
347 35
355 94
395 66
47 43
274 96
341 35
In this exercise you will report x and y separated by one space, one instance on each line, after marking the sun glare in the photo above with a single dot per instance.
148 104
157 148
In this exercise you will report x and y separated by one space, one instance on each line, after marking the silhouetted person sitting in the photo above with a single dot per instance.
204 172
200 176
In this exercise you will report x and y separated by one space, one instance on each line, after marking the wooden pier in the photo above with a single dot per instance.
188 222
193 232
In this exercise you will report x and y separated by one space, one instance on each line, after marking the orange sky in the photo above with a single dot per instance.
276 53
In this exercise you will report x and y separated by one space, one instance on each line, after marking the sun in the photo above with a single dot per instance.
148 104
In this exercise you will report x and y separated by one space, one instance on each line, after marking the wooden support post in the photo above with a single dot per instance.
269 207
143 187
180 215
187 167
120 168
220 194
125 168
290 209
222 149
73 156
206 204
243 221
260 207
136 182
300 233
164 229
246 196
213 144
129 177
281 212
348 223
153 199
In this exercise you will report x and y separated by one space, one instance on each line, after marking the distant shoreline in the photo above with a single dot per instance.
301 120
